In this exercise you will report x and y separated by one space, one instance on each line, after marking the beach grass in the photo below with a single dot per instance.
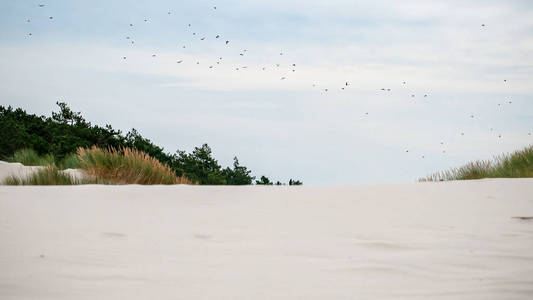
30 157
514 165
126 166
49 175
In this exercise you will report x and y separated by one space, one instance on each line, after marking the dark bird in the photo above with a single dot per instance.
404 82
124 57
294 70
346 83
471 116
412 96
383 89
342 88
216 37
146 20
326 90
281 53
189 25
29 34
422 156
131 25
214 7
499 135
510 102
169 12
28 20
482 25
277 65
282 78
210 67
153 55
194 33
50 17
388 90
220 58
366 113
202 39
264 68
241 54
127 37
42 5
197 62
179 61
294 65
505 80
425 95
227 42
406 150
183 47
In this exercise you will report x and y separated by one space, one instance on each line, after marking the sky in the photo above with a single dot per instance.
468 91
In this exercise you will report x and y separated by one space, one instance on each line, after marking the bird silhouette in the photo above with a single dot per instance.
179 61
42 5
227 42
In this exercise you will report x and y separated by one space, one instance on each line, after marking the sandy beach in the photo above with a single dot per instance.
452 240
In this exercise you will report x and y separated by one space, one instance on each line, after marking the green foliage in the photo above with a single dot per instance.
239 175
514 165
264 181
58 137
294 182
29 157
71 161
200 166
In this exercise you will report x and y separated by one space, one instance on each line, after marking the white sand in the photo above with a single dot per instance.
454 240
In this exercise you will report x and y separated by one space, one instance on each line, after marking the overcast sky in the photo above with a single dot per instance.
289 128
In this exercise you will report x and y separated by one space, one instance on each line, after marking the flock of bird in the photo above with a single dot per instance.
291 67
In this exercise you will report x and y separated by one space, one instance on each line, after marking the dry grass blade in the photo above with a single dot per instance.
127 166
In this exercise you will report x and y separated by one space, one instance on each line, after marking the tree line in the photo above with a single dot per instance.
66 130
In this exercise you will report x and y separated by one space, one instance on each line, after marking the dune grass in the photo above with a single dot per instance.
126 166
49 175
104 166
30 157
515 165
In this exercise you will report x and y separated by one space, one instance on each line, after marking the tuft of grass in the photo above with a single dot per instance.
126 166
29 157
515 165
71 161
49 175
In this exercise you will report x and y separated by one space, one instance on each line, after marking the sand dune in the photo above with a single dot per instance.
452 240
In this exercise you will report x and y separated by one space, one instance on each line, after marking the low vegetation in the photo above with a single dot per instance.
514 165
56 140
126 166
30 157
49 175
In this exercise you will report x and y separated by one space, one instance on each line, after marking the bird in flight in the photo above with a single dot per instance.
42 5
227 42
50 17
179 61
216 37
